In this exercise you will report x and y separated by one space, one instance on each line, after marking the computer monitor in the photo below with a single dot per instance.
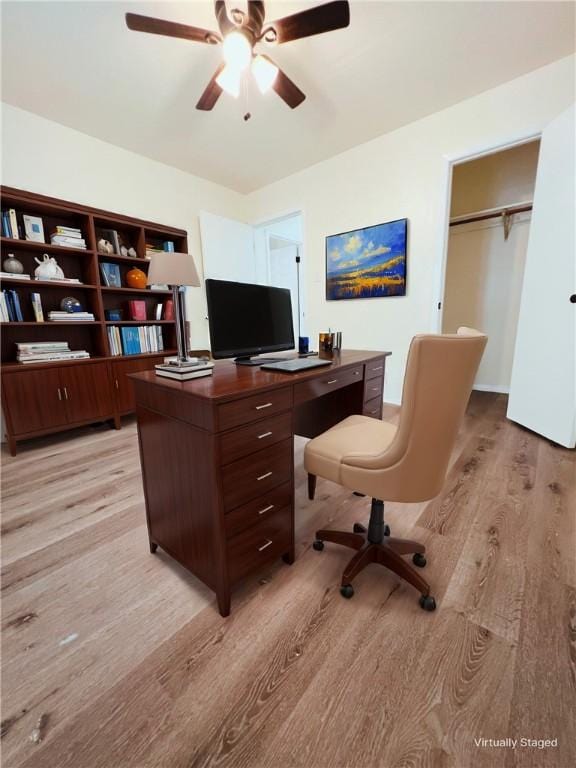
247 319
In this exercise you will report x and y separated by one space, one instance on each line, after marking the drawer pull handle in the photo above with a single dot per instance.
263 477
259 407
65 394
332 381
377 368
264 434
356 373
263 547
59 394
375 389
266 509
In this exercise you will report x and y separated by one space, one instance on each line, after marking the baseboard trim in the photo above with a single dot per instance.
498 388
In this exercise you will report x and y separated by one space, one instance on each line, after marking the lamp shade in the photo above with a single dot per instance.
172 268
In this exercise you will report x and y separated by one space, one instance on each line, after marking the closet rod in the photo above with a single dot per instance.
494 213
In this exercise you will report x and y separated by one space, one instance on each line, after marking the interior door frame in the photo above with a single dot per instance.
441 259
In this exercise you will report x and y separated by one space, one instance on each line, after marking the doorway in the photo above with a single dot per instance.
490 215
279 254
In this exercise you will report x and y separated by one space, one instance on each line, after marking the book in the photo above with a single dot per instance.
169 374
41 346
37 307
47 358
168 246
16 306
60 280
170 363
66 231
14 276
13 223
6 232
68 242
4 316
111 274
33 228
169 310
158 311
137 309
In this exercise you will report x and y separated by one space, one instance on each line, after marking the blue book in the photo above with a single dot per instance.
124 341
111 274
136 337
16 303
168 245
6 230
9 306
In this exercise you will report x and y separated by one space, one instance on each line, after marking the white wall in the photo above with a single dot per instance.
402 174
45 157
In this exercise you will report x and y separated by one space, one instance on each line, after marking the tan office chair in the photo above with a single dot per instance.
406 463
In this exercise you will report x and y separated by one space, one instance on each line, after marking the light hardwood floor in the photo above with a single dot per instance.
126 658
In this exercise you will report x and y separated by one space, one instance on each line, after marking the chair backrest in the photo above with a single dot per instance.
439 375
437 384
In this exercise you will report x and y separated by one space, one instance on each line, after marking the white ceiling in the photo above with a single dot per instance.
78 64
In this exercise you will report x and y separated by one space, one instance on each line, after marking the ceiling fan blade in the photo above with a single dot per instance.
139 23
211 92
314 21
285 88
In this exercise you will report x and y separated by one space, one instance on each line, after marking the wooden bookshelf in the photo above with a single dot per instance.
27 415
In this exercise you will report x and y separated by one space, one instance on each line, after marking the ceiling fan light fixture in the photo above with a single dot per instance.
265 73
237 51
229 80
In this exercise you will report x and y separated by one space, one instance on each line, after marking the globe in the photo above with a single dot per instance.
70 304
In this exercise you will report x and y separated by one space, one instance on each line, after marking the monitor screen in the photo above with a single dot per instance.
248 319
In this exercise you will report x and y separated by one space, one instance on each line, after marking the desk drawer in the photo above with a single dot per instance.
373 388
258 509
259 544
256 474
340 377
373 408
261 434
248 409
375 369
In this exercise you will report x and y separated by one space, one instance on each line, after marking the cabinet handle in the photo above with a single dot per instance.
332 381
265 545
59 394
264 434
356 373
259 407
375 389
263 477
65 394
266 509
116 384
377 368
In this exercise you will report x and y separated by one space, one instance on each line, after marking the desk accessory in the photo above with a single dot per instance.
136 278
176 270
12 265
48 268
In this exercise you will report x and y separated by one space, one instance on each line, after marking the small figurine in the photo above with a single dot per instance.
123 250
104 246
132 252
48 268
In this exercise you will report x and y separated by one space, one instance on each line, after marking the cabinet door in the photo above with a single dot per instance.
87 392
34 400
124 391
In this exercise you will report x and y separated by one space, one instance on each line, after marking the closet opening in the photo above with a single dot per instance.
490 215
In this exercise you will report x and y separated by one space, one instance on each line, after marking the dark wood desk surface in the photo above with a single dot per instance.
217 457
230 380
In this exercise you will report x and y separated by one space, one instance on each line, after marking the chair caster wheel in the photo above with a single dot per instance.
318 545
359 528
347 591
386 530
427 603
419 560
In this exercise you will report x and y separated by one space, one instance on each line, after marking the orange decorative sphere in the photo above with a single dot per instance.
136 278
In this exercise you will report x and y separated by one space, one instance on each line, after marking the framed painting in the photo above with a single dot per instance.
367 263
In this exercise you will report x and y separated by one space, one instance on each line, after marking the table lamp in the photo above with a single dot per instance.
175 270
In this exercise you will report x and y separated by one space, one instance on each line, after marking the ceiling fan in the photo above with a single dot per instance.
240 31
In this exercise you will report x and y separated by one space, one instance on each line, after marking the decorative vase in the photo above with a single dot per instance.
12 265
48 268
70 304
136 278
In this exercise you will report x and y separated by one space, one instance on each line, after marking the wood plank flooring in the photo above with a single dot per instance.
124 655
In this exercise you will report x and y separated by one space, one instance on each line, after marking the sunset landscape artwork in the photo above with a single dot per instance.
367 263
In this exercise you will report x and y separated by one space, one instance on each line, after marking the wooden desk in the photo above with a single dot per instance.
217 457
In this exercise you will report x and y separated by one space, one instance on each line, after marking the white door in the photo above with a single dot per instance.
227 249
543 387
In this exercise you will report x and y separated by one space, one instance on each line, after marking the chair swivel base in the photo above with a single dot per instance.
387 552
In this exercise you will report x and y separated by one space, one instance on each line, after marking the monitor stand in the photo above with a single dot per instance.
257 360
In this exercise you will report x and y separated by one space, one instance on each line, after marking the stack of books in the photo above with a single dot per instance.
47 352
135 340
69 237
186 371
14 276
59 316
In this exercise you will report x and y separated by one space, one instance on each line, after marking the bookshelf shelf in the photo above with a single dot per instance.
139 322
9 243
49 284
135 291
103 374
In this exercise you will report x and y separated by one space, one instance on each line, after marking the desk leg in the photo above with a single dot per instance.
224 602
